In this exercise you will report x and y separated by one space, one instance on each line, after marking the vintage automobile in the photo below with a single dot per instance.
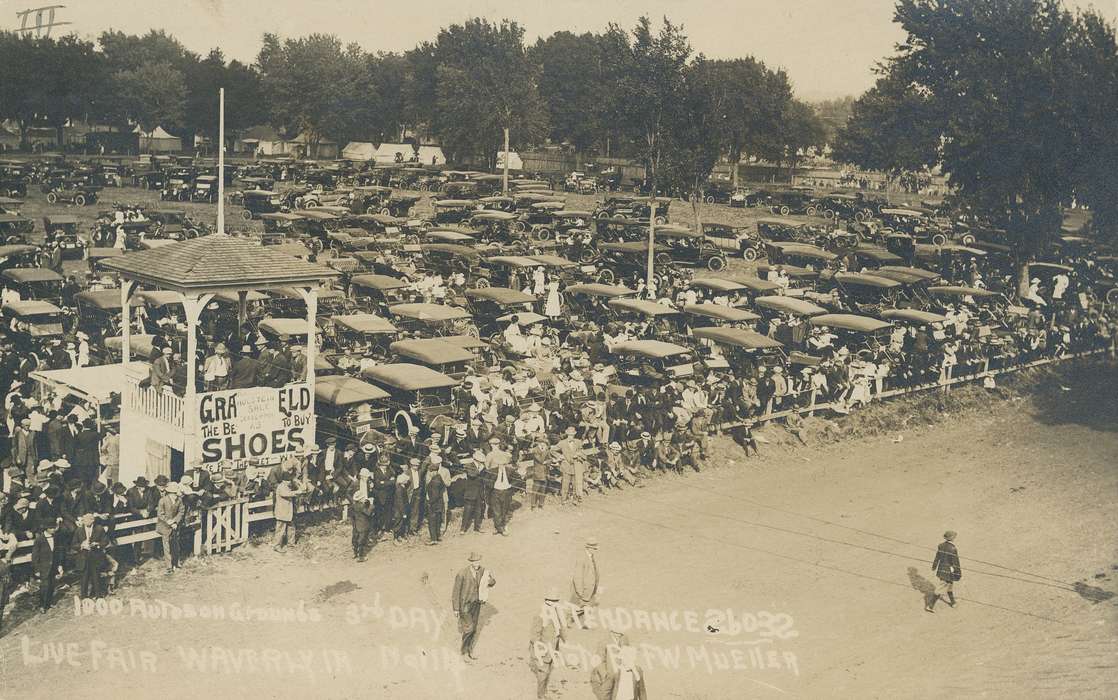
907 275
496 226
352 410
741 348
205 189
490 304
661 321
10 205
636 208
13 180
690 248
497 202
453 211
14 229
36 283
175 224
378 292
28 322
915 223
622 260
63 230
18 255
418 395
507 271
866 293
649 362
99 313
448 235
842 206
257 202
783 230
280 222
870 258
734 240
775 307
791 201
451 259
178 185
718 192
719 286
432 320
361 335
77 193
743 197
949 294
862 334
589 299
799 255
580 183
913 317
446 357
703 315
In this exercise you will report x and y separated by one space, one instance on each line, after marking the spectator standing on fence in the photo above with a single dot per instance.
169 516
471 589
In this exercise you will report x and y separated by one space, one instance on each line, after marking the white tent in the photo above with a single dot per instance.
514 161
359 150
428 155
158 141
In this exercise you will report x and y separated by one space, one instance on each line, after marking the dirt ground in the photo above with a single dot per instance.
821 554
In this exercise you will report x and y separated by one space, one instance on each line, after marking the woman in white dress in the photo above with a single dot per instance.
553 306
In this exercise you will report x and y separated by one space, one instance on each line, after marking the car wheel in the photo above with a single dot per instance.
784 211
191 233
859 216
310 205
1112 296
661 220
385 211
749 253
520 227
716 263
968 239
939 239
811 211
587 256
709 199
607 276
481 283
603 215
246 215
52 198
79 199
542 234
828 213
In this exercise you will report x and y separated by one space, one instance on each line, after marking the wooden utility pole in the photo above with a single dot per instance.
221 160
505 179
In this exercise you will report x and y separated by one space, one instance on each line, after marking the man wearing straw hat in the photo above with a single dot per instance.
361 515
544 639
471 589
584 582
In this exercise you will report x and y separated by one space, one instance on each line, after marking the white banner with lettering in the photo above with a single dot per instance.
255 426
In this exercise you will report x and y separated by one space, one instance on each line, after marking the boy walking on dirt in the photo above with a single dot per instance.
948 571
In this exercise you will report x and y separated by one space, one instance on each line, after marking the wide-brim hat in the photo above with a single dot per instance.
161 480
552 595
368 447
474 556
172 487
141 481
950 535
99 488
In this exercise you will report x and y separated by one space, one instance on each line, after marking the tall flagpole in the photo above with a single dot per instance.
221 160
505 178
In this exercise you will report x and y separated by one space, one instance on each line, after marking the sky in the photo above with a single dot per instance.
828 47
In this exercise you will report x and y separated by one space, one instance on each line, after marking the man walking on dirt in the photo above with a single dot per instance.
948 571
471 589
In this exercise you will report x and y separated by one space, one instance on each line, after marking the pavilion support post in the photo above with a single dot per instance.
192 306
126 287
310 298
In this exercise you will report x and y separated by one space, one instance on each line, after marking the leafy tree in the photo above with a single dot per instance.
484 84
1018 97
574 86
245 104
651 91
152 95
18 89
800 130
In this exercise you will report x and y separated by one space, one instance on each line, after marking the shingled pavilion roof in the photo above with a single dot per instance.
217 262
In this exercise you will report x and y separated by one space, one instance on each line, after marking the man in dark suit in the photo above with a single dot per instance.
244 370
87 453
46 559
48 511
948 571
384 489
58 435
471 497
361 515
471 589
88 547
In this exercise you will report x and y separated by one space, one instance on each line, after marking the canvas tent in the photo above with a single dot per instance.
158 141
359 150
428 155
515 163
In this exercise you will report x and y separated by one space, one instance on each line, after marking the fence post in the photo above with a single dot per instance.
203 517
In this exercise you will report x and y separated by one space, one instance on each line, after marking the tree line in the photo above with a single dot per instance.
1016 101
599 93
